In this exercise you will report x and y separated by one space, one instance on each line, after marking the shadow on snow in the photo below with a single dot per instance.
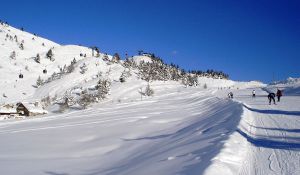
273 111
215 127
269 143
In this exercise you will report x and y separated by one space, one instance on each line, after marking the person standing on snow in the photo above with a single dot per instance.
279 94
271 98
253 93
230 95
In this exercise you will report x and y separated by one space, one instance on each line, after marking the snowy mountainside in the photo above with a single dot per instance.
72 70
290 86
17 89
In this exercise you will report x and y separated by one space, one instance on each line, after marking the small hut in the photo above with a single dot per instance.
28 109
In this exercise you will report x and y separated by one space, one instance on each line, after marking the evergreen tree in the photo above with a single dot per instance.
39 81
49 55
21 46
103 87
37 58
116 58
13 55
83 68
148 90
85 99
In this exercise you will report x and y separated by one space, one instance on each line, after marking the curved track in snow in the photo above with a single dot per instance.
268 137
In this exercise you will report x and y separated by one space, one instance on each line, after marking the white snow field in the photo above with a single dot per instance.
178 130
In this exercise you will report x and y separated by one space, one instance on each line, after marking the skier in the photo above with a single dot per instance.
279 94
253 93
271 97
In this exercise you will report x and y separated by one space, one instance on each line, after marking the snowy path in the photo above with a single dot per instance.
271 132
177 132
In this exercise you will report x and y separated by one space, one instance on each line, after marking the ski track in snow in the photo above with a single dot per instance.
272 135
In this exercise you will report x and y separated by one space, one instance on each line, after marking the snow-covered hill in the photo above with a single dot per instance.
188 126
290 86
17 61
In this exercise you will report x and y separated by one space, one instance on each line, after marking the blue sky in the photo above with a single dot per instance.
249 40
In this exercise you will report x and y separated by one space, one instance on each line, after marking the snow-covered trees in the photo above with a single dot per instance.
46 101
129 63
21 46
50 55
157 70
190 80
62 71
102 87
116 58
13 55
66 101
125 74
149 91
16 38
39 82
96 50
37 58
85 99
83 68
105 57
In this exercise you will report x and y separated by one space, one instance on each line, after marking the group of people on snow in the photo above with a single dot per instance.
272 96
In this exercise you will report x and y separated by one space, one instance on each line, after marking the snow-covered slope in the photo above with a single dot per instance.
179 130
15 88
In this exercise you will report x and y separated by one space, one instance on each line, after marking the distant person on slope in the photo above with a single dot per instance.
253 93
279 94
271 97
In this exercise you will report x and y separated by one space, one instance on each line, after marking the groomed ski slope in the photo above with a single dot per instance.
267 140
178 131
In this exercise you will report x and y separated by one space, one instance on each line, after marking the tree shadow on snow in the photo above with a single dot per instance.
273 111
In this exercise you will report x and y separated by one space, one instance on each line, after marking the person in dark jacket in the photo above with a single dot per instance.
279 94
230 95
271 98
253 93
